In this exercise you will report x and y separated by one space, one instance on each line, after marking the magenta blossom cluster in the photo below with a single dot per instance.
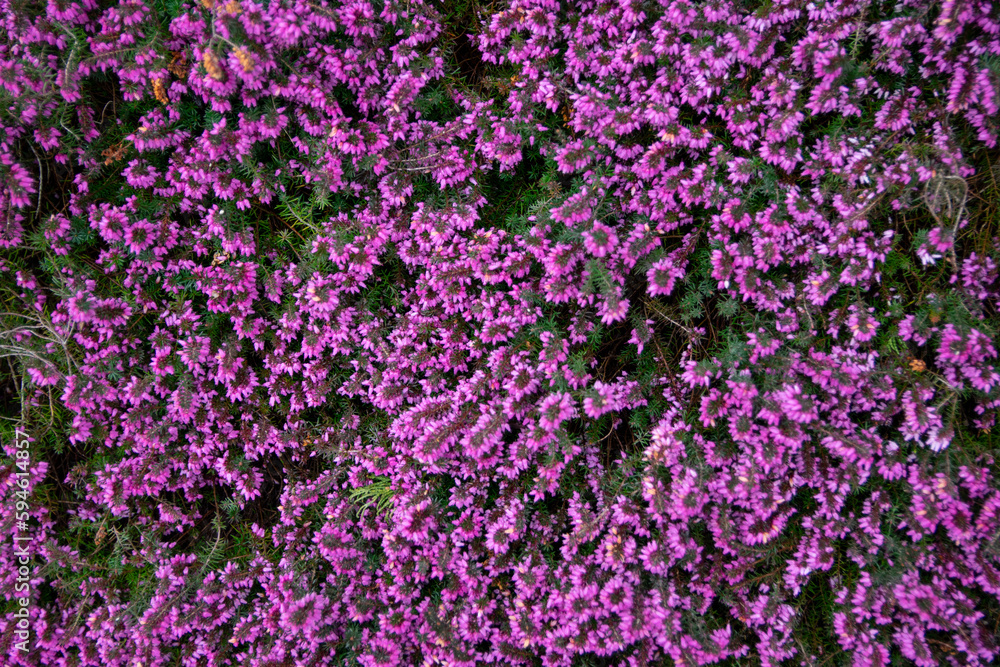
718 394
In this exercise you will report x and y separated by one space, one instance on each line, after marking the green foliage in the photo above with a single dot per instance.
379 494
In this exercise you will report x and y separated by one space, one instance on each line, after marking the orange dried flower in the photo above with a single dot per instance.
208 4
245 60
211 63
233 7
917 365
160 91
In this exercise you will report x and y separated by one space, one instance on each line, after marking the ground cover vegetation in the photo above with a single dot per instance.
520 333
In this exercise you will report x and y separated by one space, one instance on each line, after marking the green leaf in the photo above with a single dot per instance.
379 494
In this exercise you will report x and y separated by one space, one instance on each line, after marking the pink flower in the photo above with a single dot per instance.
662 276
600 240
554 409
862 323
613 310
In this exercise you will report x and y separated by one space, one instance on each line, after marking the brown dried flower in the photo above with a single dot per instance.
178 65
917 365
113 153
101 534
567 114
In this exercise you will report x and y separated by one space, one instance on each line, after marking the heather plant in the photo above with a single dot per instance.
533 333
